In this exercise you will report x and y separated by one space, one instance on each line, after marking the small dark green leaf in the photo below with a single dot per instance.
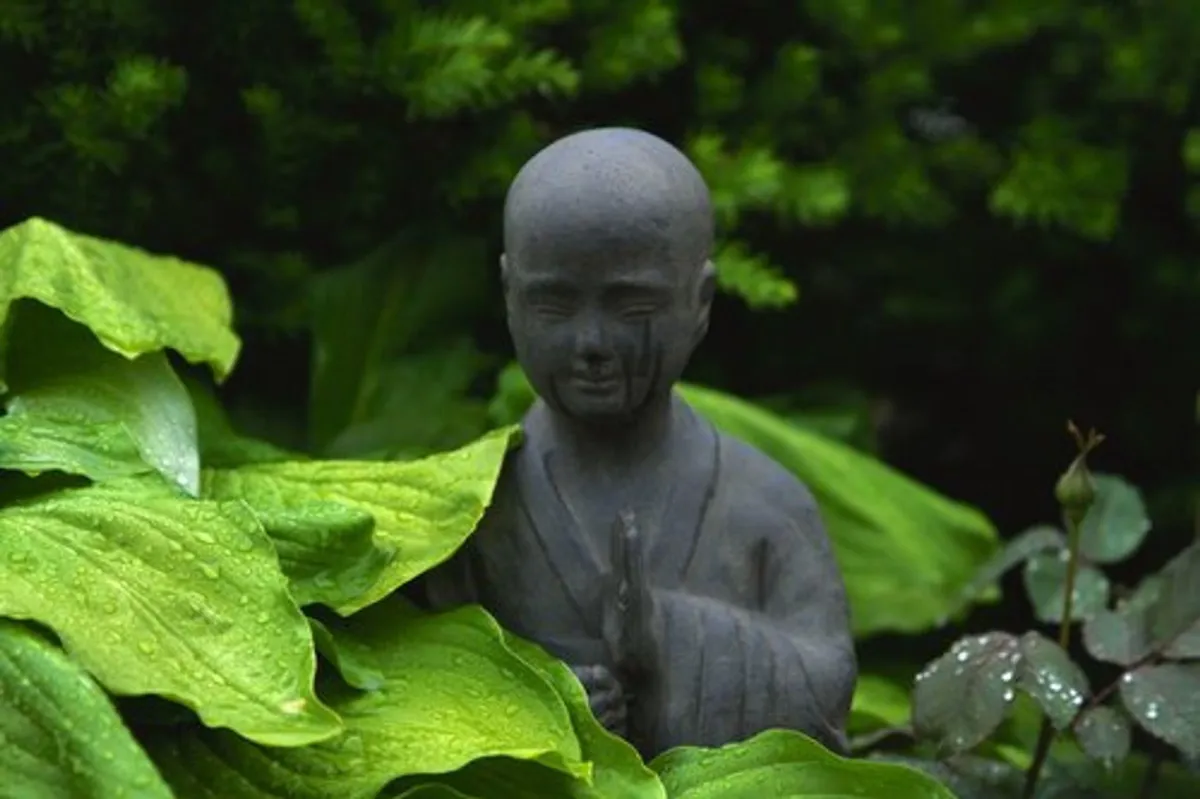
1175 615
1050 676
1117 636
1165 700
1116 524
964 695
1046 584
1033 541
1105 734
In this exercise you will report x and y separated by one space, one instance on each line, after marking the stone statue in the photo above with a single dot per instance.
686 577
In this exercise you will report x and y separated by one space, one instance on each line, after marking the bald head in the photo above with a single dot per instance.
616 190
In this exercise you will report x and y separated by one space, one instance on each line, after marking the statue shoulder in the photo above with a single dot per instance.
760 479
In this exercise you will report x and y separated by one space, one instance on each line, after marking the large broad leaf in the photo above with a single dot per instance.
878 703
59 734
423 510
367 314
77 407
905 551
963 696
176 597
1045 577
134 302
1162 616
780 763
1165 700
1117 522
453 692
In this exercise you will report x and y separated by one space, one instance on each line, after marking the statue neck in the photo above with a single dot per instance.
618 444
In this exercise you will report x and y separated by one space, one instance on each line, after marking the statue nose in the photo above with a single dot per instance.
591 343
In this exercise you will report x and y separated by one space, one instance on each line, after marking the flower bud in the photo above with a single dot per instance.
1076 491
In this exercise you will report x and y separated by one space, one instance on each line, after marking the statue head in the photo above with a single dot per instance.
607 279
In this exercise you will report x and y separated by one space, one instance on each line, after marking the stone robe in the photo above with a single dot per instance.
753 629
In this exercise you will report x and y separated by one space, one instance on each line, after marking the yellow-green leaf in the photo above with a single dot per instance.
133 301
59 734
423 510
176 597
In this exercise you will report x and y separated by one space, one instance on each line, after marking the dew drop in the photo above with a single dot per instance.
211 572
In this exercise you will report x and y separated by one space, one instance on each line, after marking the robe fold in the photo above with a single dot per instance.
752 627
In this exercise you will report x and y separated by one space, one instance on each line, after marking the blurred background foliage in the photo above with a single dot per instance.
946 226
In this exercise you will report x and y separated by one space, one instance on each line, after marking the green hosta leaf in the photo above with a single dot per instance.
435 791
355 672
423 510
878 703
79 408
779 763
1165 700
1104 733
453 693
1049 675
59 734
964 695
327 550
933 545
366 314
1033 541
1046 583
134 302
175 597
223 447
1116 524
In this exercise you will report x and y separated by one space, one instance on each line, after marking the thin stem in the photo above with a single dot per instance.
1150 780
1046 731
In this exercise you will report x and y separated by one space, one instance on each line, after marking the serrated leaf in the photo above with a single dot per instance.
59 734
423 510
1046 583
1049 675
1165 700
1117 522
79 408
1104 733
133 301
453 693
964 695
175 597
1163 615
1033 541
780 763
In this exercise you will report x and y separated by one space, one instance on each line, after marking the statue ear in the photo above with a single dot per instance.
706 288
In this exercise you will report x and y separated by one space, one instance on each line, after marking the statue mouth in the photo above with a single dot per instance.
589 384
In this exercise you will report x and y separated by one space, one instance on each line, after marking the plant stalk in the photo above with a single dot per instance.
1046 731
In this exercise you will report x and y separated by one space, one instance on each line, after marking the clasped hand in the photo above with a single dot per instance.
627 616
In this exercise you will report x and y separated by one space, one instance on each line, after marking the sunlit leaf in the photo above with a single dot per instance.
175 597
423 510
779 763
59 734
1049 675
77 407
1165 700
1046 583
1105 734
1117 522
964 695
133 301
453 693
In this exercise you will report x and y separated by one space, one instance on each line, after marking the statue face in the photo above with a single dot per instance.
601 334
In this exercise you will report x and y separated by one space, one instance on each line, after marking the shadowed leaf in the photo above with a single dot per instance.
1104 733
1165 700
1050 676
1033 541
1046 583
964 695
1117 522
